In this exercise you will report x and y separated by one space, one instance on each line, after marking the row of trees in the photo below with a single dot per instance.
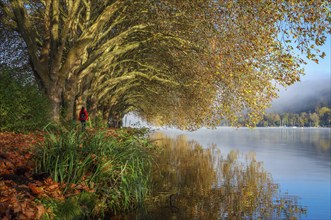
182 63
320 118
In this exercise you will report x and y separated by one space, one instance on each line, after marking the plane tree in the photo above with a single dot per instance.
184 63
68 40
246 50
159 80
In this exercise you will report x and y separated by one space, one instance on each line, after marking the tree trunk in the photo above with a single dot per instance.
115 119
70 105
92 105
55 96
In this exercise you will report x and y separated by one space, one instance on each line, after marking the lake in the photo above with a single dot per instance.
298 159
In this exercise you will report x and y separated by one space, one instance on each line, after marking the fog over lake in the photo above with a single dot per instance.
305 95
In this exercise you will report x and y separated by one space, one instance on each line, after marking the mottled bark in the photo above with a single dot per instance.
55 97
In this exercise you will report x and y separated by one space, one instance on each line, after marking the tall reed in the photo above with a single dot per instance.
116 166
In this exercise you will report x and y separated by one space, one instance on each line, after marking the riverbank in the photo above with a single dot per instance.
122 174
69 174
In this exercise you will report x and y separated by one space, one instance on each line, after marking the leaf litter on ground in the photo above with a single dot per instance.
20 188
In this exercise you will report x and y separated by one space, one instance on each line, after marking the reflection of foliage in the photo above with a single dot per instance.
319 141
199 183
324 145
287 206
246 190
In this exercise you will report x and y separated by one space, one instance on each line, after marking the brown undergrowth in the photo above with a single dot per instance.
21 189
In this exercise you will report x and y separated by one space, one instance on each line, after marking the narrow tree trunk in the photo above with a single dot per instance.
115 119
92 105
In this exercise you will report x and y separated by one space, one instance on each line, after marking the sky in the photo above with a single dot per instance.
317 79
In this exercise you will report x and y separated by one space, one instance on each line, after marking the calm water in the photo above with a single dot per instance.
297 158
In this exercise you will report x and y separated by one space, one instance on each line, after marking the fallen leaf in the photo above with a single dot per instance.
40 211
54 186
48 181
35 189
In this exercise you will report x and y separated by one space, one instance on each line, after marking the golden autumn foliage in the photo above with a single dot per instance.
181 63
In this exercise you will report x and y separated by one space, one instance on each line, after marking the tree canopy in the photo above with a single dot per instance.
183 63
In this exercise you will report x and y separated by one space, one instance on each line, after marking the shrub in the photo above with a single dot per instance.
22 106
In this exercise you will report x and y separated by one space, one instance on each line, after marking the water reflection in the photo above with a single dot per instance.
302 136
195 183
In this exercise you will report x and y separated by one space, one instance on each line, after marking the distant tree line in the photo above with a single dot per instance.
321 117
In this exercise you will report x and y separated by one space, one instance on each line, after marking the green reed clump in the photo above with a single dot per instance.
115 165
75 207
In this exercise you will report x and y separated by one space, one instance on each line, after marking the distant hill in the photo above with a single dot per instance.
303 97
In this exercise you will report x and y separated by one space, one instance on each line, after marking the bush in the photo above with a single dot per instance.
22 106
116 166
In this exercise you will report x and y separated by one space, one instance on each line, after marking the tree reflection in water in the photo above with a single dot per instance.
195 183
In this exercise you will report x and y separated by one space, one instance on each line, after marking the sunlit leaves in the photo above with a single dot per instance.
181 63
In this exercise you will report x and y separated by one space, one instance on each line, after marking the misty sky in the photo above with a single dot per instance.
317 79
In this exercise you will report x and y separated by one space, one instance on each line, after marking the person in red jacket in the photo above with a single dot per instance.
83 116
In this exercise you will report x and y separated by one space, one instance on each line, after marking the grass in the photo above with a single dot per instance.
115 166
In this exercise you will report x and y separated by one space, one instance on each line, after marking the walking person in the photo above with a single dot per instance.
83 116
